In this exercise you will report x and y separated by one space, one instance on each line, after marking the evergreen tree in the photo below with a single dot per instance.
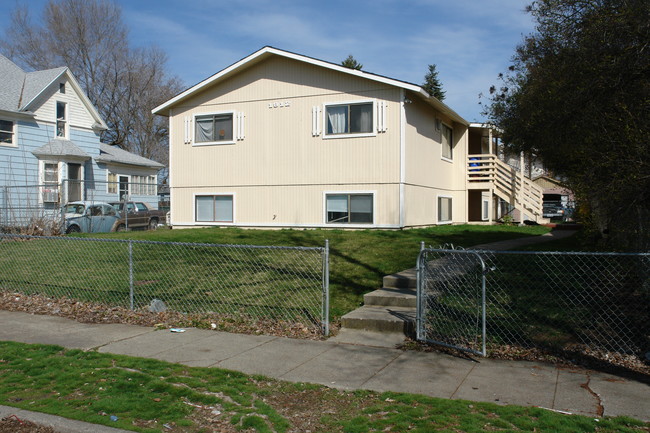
432 84
351 63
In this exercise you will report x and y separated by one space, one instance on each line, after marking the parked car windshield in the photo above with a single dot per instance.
120 206
75 208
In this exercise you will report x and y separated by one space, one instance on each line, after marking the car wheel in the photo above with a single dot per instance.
73 229
121 228
153 224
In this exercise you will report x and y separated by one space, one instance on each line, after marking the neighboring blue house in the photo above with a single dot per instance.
50 152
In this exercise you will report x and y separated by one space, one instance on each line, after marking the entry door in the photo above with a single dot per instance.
124 187
74 182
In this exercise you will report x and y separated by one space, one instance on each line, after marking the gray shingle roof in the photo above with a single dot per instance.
11 84
36 81
18 88
116 155
60 147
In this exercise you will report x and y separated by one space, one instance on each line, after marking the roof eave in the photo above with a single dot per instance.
18 114
266 51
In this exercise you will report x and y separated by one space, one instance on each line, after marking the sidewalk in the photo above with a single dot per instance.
349 366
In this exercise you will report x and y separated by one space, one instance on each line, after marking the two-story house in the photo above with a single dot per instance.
50 150
279 139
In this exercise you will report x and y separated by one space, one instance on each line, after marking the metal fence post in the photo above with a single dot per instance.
418 306
131 273
326 288
484 319
6 205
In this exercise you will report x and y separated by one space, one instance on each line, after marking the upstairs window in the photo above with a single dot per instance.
61 120
349 119
7 132
214 128
447 142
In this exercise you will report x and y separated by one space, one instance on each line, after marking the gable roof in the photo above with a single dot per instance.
19 90
268 51
113 154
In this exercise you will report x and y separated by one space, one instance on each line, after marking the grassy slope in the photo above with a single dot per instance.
145 394
359 259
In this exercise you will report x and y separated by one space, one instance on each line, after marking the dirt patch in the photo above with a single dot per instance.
88 312
13 424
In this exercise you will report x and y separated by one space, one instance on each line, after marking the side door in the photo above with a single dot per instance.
93 220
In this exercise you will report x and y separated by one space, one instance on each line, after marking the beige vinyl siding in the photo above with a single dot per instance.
421 205
78 115
283 206
279 151
427 173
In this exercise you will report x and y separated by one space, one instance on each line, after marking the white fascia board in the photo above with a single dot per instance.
17 114
442 107
270 50
82 95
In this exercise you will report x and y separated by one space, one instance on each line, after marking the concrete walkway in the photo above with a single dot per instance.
349 366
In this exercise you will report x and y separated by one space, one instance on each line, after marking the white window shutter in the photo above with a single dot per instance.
187 130
382 107
315 121
239 125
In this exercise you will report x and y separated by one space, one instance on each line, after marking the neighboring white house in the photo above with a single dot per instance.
279 139
50 151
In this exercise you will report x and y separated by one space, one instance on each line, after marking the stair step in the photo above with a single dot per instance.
369 338
391 297
380 319
401 280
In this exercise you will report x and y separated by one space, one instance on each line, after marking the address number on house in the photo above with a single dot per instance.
280 104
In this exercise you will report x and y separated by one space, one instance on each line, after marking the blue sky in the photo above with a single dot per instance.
470 41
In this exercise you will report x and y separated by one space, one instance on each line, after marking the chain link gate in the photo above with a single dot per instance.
451 299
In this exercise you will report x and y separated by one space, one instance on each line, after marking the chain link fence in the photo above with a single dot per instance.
248 282
475 300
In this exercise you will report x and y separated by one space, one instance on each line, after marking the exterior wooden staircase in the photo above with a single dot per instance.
487 172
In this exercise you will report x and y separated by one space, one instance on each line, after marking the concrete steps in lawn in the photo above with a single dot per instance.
390 310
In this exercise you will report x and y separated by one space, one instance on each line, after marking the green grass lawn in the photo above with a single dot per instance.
146 394
358 258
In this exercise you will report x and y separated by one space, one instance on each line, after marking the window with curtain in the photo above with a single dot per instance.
50 188
61 120
444 209
6 132
447 142
349 208
349 118
112 183
214 208
214 128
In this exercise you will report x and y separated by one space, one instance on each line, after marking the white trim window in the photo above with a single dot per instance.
349 119
447 140
214 208
112 183
485 209
143 185
216 128
444 209
50 182
7 133
349 208
61 119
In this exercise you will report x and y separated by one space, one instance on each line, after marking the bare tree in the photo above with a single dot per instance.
124 83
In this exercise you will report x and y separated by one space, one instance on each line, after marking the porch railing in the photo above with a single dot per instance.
486 171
